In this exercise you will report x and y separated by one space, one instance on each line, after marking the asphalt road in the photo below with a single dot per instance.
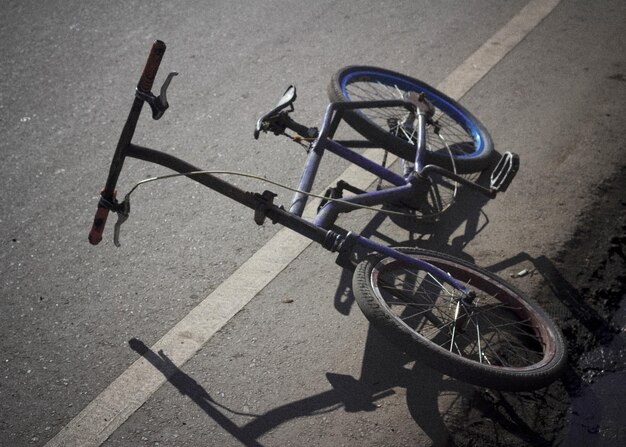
282 372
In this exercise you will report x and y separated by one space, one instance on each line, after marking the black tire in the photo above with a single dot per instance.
500 340
466 137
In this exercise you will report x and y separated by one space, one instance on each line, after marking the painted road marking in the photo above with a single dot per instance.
475 67
111 408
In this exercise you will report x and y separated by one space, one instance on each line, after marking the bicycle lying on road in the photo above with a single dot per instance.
458 318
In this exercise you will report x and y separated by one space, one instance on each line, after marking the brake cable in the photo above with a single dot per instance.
123 209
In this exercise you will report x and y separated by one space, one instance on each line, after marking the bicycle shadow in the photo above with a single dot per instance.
384 368
536 418
519 418
187 386
507 412
345 391
386 371
580 323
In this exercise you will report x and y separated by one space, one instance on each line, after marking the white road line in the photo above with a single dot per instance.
475 67
111 408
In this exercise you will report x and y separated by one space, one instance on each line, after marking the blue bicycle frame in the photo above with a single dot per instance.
319 229
403 186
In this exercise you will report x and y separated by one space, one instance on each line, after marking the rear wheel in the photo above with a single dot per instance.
454 128
493 337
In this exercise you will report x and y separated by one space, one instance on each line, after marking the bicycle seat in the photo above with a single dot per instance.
286 101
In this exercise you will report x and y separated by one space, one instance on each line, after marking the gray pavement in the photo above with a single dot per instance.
306 372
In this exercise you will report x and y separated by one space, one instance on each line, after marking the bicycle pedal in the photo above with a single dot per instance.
504 172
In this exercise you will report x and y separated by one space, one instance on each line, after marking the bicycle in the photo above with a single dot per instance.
458 318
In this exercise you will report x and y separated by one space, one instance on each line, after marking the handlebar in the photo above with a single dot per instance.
99 221
95 235
152 66
107 199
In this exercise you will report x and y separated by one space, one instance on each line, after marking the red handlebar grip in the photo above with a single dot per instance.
152 66
95 235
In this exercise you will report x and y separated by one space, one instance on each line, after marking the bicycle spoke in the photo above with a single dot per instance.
485 330
456 317
371 91
366 90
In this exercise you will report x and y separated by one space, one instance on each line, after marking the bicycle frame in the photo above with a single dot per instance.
404 187
319 229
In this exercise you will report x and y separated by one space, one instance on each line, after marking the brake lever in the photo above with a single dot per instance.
122 216
158 104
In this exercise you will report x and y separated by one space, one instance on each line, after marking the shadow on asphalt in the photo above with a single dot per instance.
386 372
384 367
472 413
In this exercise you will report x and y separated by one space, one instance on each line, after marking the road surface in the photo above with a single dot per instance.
298 364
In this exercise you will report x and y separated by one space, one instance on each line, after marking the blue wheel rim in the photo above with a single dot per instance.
441 102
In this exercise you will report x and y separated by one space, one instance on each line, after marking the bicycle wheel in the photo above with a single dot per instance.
454 128
497 339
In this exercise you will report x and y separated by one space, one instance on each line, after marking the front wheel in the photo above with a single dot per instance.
455 139
496 338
